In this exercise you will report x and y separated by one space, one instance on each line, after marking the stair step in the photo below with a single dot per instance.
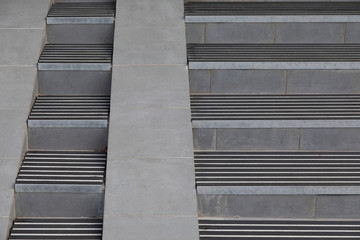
278 229
272 11
77 122
273 56
52 228
281 172
61 171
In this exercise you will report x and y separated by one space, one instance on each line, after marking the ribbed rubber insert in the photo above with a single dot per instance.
274 107
271 8
91 9
273 52
62 228
278 229
61 167
70 108
76 53
240 168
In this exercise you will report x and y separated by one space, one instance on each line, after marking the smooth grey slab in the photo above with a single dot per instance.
5 225
150 86
8 171
210 205
195 33
261 19
333 206
276 123
58 188
74 66
352 33
275 65
79 20
204 138
67 123
154 186
307 190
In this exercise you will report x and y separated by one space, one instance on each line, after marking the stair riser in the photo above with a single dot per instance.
74 82
73 138
80 33
59 205
279 206
275 81
276 139
58 1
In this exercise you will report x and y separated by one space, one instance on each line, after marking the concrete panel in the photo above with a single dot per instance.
240 33
200 81
204 138
144 13
59 205
269 206
251 139
248 81
150 133
23 13
158 86
195 33
59 138
310 32
334 206
8 172
150 46
74 82
330 139
352 33
161 187
211 205
5 225
17 86
151 228
323 81
20 46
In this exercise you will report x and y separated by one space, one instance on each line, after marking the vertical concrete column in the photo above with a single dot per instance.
22 32
150 188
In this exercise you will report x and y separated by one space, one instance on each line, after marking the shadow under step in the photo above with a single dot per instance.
273 56
216 229
69 123
80 23
52 228
66 69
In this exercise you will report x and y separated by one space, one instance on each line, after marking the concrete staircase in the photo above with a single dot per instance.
60 186
274 96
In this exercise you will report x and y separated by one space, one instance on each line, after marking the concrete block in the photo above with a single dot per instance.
195 33
204 138
159 87
71 138
150 46
20 46
262 138
323 81
335 206
248 81
74 82
240 33
330 139
210 205
200 81
310 32
8 172
144 187
59 205
17 85
150 133
151 228
5 225
269 206
352 33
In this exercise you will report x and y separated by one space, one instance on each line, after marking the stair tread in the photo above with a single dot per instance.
90 9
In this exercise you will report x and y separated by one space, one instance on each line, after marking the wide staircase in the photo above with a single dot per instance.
59 190
276 118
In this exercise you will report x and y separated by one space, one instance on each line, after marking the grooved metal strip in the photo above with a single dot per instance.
90 9
70 108
229 168
274 107
273 52
61 228
76 53
271 8
62 167
278 229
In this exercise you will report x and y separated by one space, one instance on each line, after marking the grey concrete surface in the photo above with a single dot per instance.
195 33
204 138
352 33
200 81
338 206
211 205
